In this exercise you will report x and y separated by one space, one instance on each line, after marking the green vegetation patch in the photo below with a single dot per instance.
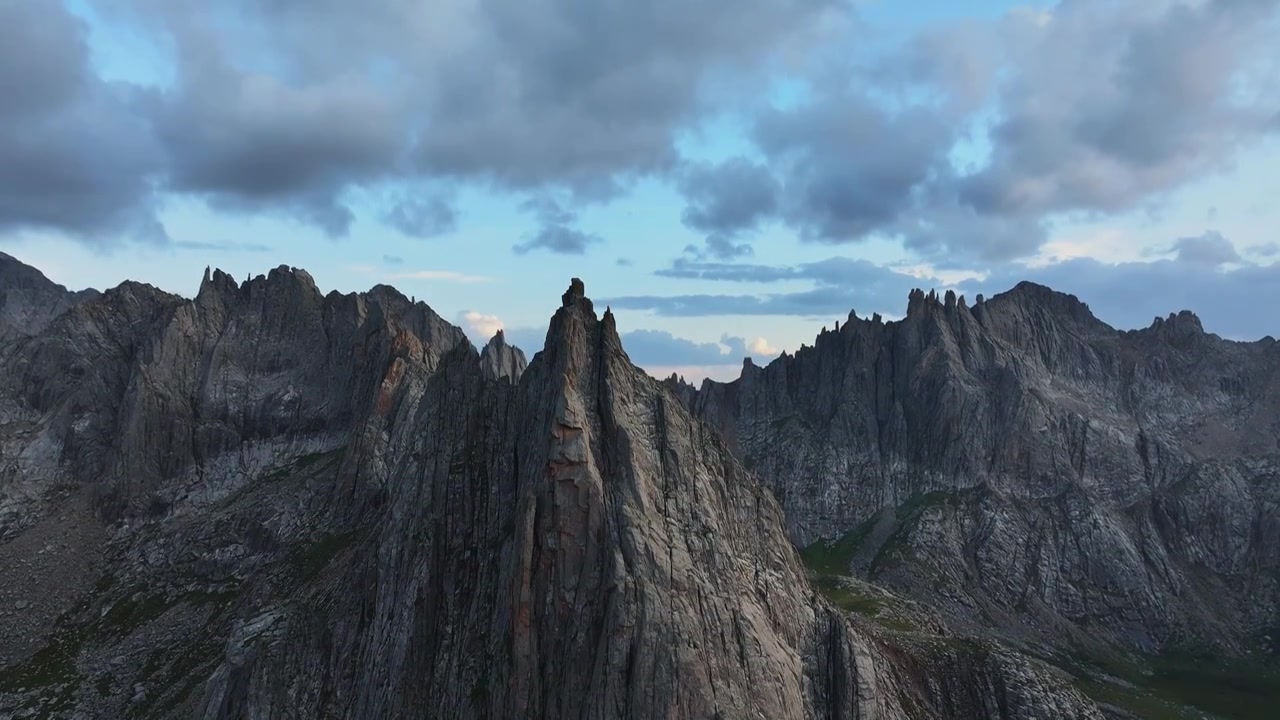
826 557
1230 687
1182 682
847 597
1135 700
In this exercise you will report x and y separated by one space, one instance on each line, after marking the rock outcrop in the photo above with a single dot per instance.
1026 467
297 505
500 361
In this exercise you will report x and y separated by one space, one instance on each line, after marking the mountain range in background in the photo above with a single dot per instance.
267 501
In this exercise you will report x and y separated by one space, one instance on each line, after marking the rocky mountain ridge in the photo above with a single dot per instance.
1027 468
270 502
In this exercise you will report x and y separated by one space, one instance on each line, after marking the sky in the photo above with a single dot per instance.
728 177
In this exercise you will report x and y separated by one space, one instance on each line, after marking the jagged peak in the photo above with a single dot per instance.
216 282
293 275
498 360
577 314
1181 325
577 293
918 301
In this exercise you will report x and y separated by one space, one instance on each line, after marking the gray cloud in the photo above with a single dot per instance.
422 217
841 285
657 347
578 93
1101 107
727 200
849 167
262 114
559 239
557 232
1114 103
229 245
56 170
1209 249
1264 250
249 142
1233 297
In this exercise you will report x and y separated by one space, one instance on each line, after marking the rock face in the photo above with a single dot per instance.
297 505
29 301
498 360
1023 465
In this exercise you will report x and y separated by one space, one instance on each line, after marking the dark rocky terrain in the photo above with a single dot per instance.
1095 496
270 502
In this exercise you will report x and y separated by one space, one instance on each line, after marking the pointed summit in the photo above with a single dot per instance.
500 361
576 294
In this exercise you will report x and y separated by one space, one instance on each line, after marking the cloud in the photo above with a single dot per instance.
559 239
658 347
964 145
819 302
524 95
726 200
849 167
422 217
581 95
230 246
247 141
443 276
393 259
840 285
1114 103
967 143
1233 297
56 170
261 115
1264 250
1209 249
479 327
557 233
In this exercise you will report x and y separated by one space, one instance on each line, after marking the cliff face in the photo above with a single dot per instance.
334 507
1021 464
127 389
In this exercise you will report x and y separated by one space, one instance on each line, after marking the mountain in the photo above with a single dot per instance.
1030 471
29 301
270 502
